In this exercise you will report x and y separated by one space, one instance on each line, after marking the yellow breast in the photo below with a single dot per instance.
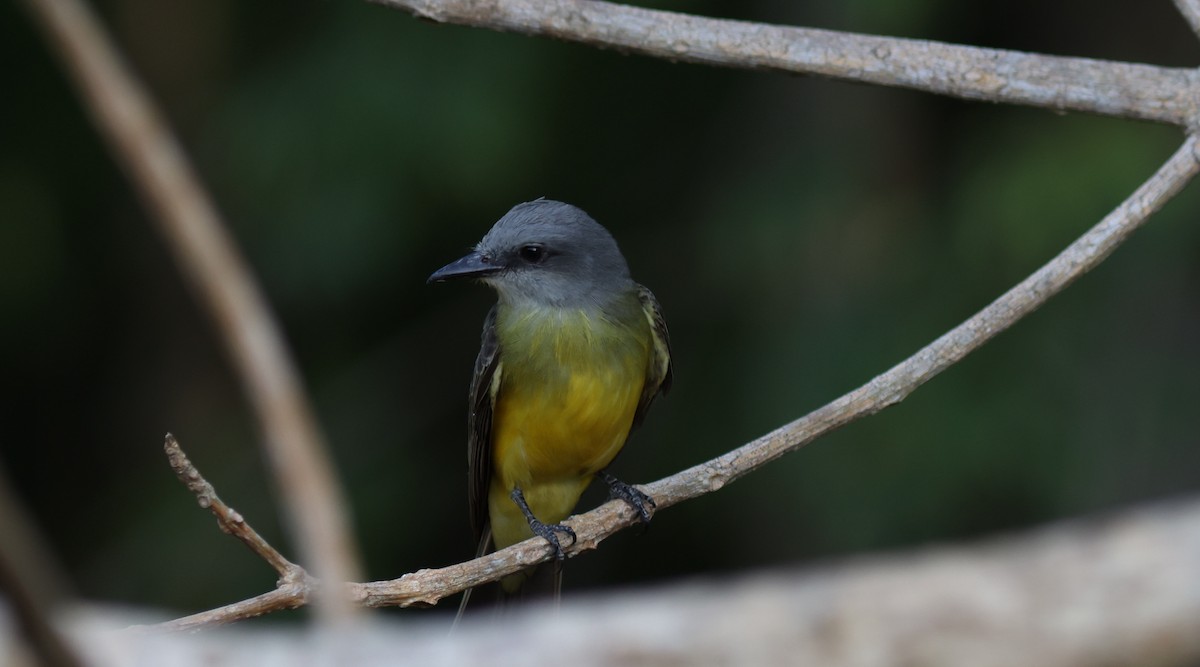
567 427
568 392
570 384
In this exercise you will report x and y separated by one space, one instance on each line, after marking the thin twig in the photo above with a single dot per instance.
289 595
228 519
1191 12
141 140
295 586
427 587
1126 90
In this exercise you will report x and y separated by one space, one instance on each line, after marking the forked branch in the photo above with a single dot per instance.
229 520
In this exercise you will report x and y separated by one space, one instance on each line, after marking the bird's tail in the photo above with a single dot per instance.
485 540
558 577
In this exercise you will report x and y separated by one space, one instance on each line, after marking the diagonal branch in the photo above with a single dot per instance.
295 587
32 589
893 386
20 606
887 389
1126 90
427 587
288 595
229 520
143 144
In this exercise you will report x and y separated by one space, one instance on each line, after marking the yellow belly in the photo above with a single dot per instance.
556 424
550 442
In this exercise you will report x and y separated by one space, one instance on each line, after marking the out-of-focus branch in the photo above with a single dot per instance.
1191 11
31 585
1120 592
34 618
1126 90
142 143
25 548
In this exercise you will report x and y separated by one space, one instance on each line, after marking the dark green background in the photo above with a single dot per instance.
802 235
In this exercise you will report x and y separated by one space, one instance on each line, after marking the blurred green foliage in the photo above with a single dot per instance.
803 235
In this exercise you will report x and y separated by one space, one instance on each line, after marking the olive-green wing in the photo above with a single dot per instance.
658 371
484 384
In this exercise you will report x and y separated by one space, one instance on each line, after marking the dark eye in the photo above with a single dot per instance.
533 253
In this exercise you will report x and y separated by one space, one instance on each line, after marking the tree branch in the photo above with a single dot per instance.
1126 90
893 386
1118 591
32 585
20 601
229 520
289 594
295 586
427 587
154 161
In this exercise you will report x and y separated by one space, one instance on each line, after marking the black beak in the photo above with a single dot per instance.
473 265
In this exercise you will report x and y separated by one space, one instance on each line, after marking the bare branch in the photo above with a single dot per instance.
20 600
26 550
289 595
1118 591
1162 94
140 139
295 587
32 584
229 520
1191 11
427 587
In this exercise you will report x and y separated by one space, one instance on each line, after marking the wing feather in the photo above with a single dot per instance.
484 384
659 372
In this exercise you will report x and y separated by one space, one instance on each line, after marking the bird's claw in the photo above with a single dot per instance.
549 532
639 501
546 531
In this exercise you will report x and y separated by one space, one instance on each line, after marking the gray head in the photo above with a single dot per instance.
546 253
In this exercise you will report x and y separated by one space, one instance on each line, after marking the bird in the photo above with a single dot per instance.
572 356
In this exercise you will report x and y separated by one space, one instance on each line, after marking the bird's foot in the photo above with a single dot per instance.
546 531
639 501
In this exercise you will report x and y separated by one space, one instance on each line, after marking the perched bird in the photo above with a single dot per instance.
573 354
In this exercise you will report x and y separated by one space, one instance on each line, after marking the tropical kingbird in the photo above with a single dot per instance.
573 354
